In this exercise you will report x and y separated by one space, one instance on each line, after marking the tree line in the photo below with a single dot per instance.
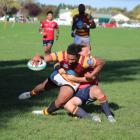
34 9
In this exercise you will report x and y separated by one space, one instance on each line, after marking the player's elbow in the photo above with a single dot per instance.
93 26
102 63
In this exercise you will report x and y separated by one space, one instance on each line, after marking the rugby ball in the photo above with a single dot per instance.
36 67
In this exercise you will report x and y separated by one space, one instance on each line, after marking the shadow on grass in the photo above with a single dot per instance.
121 71
97 108
16 78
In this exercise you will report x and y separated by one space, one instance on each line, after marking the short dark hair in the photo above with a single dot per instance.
50 12
81 6
74 49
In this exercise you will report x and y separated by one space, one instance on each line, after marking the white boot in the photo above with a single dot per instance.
24 96
111 119
96 118
38 112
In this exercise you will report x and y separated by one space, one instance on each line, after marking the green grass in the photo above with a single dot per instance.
120 79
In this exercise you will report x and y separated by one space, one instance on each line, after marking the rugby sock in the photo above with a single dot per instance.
82 114
45 111
32 93
52 108
106 109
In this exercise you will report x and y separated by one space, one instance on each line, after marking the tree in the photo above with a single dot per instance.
32 9
9 6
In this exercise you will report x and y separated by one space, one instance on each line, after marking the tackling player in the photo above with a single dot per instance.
70 60
87 90
47 29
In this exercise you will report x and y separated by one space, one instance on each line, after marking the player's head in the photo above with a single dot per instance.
86 49
73 53
81 8
49 15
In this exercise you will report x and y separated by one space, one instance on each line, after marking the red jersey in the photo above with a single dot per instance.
49 27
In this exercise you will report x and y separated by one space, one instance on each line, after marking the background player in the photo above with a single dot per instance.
82 23
47 28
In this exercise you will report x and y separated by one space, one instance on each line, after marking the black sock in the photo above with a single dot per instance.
52 108
106 109
82 114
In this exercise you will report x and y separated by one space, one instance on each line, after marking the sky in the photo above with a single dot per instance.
129 4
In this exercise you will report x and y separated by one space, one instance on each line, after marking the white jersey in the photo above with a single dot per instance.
59 80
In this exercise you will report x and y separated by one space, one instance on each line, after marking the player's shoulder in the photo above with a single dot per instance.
88 16
75 16
87 61
54 21
42 21
61 55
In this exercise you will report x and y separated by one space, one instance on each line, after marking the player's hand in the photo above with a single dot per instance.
36 59
57 37
89 76
41 33
71 77
85 25
62 71
72 34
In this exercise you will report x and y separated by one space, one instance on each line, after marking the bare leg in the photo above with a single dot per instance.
72 104
73 107
47 49
64 96
98 93
40 87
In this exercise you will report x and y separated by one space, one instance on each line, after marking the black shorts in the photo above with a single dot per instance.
50 84
83 94
46 42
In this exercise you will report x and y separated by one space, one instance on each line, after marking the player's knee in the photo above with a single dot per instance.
76 101
102 99
95 92
68 105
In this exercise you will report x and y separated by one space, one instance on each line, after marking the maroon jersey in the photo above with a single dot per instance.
78 24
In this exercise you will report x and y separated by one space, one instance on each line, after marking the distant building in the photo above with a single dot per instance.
102 17
65 17
120 17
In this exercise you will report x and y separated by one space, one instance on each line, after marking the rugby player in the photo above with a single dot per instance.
47 28
83 95
88 90
68 60
82 23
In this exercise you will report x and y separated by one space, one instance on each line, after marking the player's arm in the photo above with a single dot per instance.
51 57
78 79
73 24
73 27
41 28
98 65
48 58
57 31
92 24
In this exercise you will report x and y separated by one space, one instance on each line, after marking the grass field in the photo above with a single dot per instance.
120 79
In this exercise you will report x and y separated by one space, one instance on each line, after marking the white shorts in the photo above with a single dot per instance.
60 81
81 40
